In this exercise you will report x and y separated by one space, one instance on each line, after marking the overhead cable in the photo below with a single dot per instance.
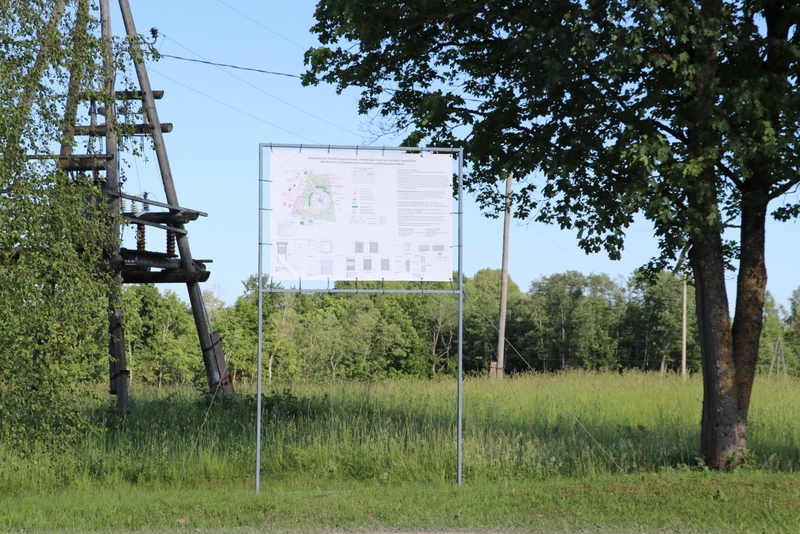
230 66
260 24
257 88
230 106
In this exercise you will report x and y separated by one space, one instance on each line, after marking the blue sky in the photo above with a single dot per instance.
220 115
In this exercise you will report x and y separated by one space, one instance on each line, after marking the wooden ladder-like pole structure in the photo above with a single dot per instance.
139 266
216 369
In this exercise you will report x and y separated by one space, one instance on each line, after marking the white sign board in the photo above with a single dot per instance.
369 216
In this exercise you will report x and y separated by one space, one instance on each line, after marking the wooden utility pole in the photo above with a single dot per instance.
111 189
499 367
216 370
138 266
683 331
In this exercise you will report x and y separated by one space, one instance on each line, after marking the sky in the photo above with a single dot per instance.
221 114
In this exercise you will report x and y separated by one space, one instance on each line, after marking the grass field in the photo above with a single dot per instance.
554 452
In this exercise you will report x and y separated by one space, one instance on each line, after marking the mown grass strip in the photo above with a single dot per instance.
670 502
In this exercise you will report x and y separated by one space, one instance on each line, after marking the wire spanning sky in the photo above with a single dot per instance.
221 114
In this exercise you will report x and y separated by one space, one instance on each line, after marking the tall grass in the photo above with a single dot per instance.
536 427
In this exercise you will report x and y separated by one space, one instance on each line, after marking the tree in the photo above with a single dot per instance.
53 288
684 111
238 325
558 297
160 336
573 321
652 336
437 318
481 316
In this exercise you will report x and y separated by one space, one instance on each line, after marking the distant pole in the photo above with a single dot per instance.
783 358
499 369
683 331
777 356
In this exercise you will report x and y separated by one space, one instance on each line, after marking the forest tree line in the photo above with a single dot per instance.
566 320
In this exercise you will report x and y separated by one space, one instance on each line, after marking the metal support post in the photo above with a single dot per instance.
460 387
260 313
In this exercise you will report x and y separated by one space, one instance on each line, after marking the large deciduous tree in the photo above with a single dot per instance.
686 111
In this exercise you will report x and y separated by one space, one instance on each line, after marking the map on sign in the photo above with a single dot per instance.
315 198
349 216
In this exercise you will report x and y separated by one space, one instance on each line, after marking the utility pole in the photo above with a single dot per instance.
138 266
111 188
499 367
683 331
777 355
192 272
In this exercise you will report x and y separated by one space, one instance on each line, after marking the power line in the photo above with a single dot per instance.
232 107
229 66
251 19
257 88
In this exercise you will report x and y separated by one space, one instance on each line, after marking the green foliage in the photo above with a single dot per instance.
603 99
567 320
576 321
481 316
793 323
685 112
160 337
652 332
55 232
778 349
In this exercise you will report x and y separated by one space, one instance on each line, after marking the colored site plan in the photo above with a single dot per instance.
315 198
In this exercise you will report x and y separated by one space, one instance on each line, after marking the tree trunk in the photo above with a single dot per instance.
748 321
720 435
729 354
727 372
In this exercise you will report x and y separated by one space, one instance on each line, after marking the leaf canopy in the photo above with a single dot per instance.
598 106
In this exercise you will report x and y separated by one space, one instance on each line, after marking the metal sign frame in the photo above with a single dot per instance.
458 153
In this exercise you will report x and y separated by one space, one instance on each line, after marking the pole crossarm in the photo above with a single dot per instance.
159 204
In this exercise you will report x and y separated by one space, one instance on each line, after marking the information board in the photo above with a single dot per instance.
368 216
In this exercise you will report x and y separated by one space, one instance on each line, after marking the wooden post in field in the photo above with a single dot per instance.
777 355
498 368
683 331
118 367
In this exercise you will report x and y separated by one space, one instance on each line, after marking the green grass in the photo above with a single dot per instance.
567 451
674 502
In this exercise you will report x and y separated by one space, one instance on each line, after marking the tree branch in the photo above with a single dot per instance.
729 174
782 190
